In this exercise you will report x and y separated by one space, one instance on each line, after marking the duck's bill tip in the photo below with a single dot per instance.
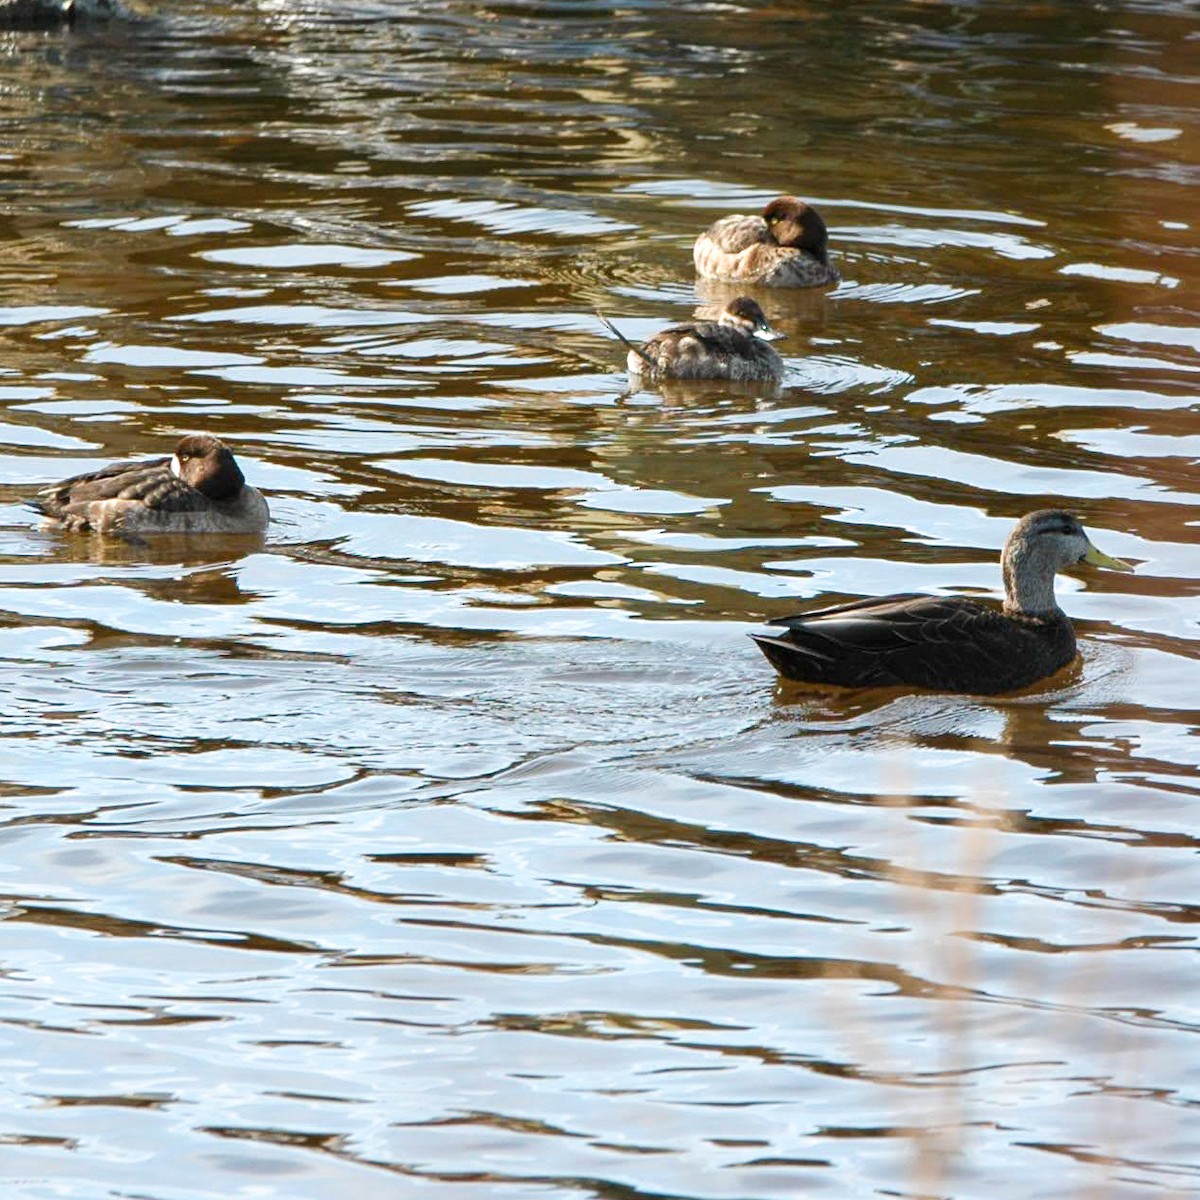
769 335
1097 558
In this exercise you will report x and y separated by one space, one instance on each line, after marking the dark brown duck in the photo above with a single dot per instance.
949 643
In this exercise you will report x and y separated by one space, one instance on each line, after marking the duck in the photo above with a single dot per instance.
949 643
732 347
786 246
199 489
48 14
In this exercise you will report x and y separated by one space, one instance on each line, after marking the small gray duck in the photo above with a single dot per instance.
733 347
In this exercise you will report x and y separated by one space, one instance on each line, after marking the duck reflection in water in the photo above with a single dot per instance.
733 347
949 643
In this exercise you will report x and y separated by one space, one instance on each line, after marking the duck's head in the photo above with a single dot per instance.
1042 544
207 464
791 222
746 315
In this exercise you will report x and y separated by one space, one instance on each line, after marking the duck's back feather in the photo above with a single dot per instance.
733 235
151 482
708 350
950 643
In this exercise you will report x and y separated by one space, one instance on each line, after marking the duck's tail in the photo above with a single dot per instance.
622 338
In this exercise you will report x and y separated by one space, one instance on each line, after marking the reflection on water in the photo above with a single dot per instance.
455 839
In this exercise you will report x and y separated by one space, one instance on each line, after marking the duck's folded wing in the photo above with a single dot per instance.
732 235
150 484
703 342
913 639
871 607
722 338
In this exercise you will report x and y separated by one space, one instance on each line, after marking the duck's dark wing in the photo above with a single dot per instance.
723 338
702 337
150 484
950 643
704 350
35 14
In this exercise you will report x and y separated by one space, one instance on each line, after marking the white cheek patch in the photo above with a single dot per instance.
176 466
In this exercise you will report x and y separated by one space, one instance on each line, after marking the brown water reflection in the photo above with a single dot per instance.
455 840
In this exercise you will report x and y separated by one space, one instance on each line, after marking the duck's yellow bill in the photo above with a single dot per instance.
1097 558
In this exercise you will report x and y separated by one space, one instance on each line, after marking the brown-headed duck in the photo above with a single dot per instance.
787 246
199 489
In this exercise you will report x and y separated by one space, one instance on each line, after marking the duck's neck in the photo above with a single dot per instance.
1028 583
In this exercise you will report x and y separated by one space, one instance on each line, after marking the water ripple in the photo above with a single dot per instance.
454 837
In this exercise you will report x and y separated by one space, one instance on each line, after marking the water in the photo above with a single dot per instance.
455 840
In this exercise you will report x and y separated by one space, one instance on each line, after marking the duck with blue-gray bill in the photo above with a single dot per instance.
732 347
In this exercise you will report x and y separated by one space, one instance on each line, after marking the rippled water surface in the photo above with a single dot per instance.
455 840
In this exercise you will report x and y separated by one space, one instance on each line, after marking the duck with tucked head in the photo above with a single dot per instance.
199 489
949 643
787 246
732 347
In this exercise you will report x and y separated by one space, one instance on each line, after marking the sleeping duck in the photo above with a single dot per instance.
732 347
949 643
787 246
199 489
